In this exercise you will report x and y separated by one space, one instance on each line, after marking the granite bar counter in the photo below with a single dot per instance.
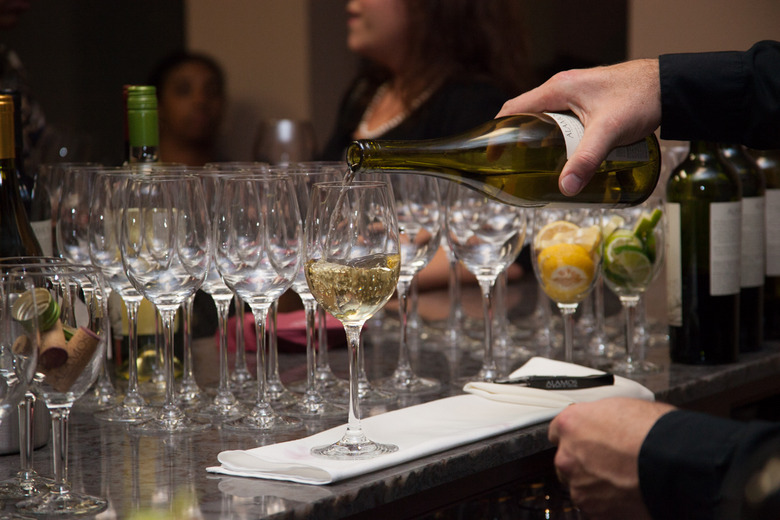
165 476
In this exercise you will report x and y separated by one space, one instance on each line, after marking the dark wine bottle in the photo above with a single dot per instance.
704 215
768 162
751 294
517 160
16 235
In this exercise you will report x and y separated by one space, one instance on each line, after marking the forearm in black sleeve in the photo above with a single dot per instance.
722 96
696 466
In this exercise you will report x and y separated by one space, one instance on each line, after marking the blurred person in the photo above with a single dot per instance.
190 107
623 458
430 68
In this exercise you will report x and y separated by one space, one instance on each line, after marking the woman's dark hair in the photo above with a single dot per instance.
159 75
472 38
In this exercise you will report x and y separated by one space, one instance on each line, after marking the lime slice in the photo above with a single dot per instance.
631 264
646 223
614 222
621 237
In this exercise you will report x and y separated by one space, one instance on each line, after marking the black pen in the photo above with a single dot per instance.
560 382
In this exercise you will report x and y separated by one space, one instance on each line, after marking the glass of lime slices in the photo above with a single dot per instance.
633 254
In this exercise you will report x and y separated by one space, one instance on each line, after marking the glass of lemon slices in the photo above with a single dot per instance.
566 255
633 254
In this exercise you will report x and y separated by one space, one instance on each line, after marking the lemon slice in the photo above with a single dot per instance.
588 237
567 271
549 234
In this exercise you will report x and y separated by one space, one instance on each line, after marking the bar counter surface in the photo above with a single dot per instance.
146 476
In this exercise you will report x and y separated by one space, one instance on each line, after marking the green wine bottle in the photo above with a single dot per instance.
704 214
16 236
751 294
142 125
768 162
517 160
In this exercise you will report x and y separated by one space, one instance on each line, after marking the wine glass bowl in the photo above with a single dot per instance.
352 261
633 255
566 257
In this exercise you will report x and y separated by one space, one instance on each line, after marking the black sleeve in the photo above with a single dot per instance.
697 466
723 96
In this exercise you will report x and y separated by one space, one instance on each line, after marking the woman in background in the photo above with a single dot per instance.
431 68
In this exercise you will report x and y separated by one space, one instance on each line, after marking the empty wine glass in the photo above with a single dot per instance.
313 404
566 257
258 253
106 213
19 345
224 406
633 254
165 242
284 141
352 258
486 236
72 237
74 315
419 226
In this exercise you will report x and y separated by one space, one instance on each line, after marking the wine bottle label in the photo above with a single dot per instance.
752 261
725 244
573 130
772 232
673 265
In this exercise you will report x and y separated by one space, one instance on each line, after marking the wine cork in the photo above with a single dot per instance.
52 353
80 350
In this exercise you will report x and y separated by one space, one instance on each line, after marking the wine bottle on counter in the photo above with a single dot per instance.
142 125
768 162
517 160
704 218
35 196
751 294
16 235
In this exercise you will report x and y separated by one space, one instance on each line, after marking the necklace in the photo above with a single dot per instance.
365 133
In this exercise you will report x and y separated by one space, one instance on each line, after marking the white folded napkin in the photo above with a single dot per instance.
425 429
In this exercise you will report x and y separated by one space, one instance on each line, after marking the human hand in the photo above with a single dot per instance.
619 105
598 447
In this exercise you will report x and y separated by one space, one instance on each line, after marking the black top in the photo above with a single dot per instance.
458 105
723 96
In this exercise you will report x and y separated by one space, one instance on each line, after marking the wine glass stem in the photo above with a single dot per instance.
240 362
456 311
353 344
168 317
132 339
567 315
322 352
223 312
59 438
629 308
26 412
261 314
273 349
404 367
310 306
489 369
188 378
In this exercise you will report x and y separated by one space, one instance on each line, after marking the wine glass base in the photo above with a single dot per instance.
263 423
414 385
17 488
634 368
125 414
219 412
316 408
353 450
368 394
56 503
171 422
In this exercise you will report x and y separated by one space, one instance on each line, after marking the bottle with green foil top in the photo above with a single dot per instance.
16 235
751 295
142 124
704 219
517 160
768 162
